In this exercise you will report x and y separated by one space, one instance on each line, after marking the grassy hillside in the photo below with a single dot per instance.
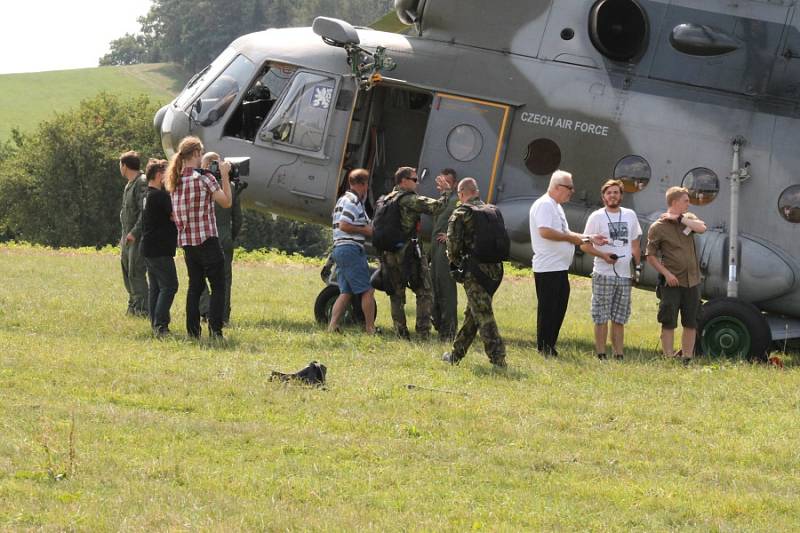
103 428
27 99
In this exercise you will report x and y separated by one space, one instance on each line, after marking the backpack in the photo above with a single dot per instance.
490 242
387 231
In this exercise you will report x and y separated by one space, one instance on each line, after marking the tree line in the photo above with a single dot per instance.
192 33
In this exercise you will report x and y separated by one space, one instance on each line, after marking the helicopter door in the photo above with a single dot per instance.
306 131
466 135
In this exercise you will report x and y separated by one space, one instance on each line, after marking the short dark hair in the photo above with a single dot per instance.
358 176
131 160
449 172
154 166
403 173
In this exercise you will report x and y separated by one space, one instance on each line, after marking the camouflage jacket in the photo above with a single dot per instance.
460 236
413 205
130 216
442 218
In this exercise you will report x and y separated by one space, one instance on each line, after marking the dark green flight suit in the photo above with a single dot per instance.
229 223
445 293
415 266
134 272
479 316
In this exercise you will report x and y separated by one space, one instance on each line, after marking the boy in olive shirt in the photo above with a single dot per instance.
159 240
671 251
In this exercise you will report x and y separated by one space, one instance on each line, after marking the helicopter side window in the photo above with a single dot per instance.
703 185
200 79
259 100
634 173
217 98
618 29
303 113
789 204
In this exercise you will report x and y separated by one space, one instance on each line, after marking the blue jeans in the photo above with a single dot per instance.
163 286
205 262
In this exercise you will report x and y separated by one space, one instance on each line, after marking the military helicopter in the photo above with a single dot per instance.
699 93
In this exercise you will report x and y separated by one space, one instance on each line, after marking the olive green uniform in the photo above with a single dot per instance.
445 293
133 267
229 223
407 265
478 317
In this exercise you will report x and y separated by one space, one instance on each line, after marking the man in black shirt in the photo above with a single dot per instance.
159 240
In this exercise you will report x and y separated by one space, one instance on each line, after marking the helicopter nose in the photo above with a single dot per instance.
158 120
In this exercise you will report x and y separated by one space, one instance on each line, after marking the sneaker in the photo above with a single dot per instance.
602 356
216 336
686 360
404 334
500 363
162 332
447 357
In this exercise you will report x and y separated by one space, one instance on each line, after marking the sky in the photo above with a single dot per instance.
41 35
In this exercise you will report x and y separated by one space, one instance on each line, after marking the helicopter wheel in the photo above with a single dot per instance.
733 328
323 308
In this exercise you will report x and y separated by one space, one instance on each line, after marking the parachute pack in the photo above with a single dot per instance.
387 231
490 241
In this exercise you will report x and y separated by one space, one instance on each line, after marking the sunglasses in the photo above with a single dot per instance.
570 187
413 179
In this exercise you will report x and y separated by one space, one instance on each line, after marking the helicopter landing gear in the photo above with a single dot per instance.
733 328
323 306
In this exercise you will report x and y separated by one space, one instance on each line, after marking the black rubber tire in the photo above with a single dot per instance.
733 328
324 304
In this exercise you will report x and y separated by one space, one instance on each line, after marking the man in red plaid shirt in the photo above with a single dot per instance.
194 192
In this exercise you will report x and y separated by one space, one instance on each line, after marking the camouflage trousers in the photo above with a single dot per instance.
398 271
479 318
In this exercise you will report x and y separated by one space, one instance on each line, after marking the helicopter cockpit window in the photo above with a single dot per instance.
618 29
789 204
634 173
302 114
703 186
200 79
217 98
259 100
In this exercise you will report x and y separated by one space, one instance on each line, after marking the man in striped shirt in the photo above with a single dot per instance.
351 227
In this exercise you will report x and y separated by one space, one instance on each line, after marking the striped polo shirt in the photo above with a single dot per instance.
350 209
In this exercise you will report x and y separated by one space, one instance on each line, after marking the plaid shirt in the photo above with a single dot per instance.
193 207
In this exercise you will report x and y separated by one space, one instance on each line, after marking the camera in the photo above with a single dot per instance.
240 166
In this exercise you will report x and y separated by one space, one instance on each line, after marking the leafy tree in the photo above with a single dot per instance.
130 50
61 185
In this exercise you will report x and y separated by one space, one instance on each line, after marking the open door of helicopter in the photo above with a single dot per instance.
467 135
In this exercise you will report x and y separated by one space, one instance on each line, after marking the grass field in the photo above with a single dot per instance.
104 428
27 99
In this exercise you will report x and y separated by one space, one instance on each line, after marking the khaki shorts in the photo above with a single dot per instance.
675 299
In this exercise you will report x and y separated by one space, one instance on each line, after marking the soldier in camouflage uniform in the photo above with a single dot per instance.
229 223
407 265
130 217
479 317
445 294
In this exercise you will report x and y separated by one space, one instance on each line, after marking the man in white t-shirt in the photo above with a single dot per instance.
611 276
553 247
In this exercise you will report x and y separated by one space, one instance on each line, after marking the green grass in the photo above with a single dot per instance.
180 435
27 99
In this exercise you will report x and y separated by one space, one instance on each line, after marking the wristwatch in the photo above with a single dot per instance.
638 268
586 240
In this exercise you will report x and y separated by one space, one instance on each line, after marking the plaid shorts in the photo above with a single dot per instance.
611 299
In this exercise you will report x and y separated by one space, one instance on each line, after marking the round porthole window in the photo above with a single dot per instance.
464 142
543 157
703 185
789 204
634 173
618 29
